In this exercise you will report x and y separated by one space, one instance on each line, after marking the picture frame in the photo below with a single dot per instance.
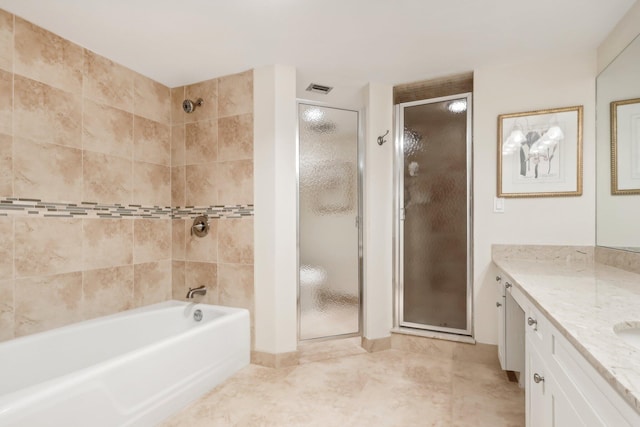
540 153
625 147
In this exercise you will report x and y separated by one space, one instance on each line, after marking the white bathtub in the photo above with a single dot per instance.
132 368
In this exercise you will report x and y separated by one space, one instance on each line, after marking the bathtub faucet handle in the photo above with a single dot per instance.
200 226
201 290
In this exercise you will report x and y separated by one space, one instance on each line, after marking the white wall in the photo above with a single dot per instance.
497 89
346 93
625 31
275 261
541 84
378 213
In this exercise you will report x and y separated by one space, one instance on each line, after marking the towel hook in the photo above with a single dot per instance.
381 139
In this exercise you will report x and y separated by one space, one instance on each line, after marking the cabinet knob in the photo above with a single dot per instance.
508 285
498 278
537 379
531 322
498 304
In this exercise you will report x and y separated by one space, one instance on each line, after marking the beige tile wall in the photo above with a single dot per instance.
106 128
212 148
212 164
75 126
56 271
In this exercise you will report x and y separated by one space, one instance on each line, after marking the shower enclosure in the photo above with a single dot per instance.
433 245
329 237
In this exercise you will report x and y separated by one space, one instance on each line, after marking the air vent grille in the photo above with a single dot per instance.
314 87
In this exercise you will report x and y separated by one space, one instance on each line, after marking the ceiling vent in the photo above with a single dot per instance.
313 87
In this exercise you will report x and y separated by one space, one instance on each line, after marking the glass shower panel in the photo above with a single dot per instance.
435 269
329 289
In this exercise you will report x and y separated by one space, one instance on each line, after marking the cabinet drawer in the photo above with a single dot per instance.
518 296
536 327
504 283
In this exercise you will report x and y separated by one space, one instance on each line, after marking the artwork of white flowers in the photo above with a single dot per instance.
540 153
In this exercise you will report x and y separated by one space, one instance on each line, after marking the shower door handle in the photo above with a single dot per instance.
401 214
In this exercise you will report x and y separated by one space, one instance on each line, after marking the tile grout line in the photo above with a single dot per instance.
133 139
13 103
133 156
13 275
82 143
217 119
13 185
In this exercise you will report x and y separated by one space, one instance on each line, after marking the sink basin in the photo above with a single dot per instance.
629 332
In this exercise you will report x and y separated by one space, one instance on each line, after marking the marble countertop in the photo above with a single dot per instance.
584 300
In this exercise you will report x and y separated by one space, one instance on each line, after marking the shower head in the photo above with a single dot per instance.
189 106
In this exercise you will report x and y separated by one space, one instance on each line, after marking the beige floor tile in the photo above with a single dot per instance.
482 395
315 351
387 388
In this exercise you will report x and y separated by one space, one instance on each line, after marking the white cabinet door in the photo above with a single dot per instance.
513 334
510 328
562 410
537 409
547 403
502 348
559 393
589 404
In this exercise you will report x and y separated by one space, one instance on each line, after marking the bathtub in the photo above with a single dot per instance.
132 368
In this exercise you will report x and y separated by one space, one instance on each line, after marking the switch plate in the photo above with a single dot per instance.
498 205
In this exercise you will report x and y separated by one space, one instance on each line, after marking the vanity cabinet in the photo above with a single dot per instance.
510 327
561 387
547 402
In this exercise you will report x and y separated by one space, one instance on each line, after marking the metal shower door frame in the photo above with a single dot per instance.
359 218
399 217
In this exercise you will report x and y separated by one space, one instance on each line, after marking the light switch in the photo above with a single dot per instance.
498 205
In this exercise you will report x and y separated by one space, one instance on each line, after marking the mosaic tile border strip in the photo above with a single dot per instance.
13 206
216 211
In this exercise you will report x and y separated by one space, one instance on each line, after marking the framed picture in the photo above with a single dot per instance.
625 146
540 153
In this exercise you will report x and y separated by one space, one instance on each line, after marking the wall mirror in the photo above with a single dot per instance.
618 151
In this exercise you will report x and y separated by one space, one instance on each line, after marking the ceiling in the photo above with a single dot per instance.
389 41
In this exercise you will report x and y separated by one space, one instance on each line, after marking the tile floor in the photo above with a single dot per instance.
417 383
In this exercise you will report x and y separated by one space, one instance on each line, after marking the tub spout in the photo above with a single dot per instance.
196 291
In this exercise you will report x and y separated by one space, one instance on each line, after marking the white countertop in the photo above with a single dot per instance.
584 301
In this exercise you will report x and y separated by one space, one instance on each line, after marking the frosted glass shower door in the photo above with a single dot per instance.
328 226
434 165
